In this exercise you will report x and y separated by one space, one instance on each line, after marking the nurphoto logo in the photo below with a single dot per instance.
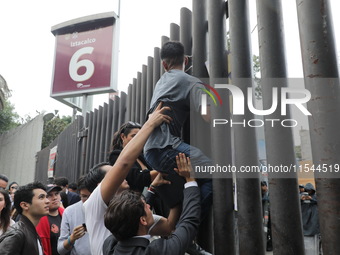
238 104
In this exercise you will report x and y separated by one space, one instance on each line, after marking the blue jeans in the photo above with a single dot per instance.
164 161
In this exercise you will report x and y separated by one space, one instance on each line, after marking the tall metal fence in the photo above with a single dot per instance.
79 146
203 30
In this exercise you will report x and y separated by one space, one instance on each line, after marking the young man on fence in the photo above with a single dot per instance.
182 93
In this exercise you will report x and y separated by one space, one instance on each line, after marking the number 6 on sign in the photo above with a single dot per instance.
75 64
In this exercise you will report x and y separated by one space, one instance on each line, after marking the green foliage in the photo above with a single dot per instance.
53 128
8 117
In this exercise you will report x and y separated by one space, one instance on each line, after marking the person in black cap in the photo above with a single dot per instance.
49 226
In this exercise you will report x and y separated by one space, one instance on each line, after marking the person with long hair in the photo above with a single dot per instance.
12 188
141 174
5 211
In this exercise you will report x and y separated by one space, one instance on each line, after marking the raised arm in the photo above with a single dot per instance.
190 217
166 226
130 153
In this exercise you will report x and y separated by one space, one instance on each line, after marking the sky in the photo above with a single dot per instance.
27 44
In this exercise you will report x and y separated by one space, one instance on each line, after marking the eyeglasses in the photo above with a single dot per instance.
130 124
14 187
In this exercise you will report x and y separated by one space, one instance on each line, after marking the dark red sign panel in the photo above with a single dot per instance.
83 62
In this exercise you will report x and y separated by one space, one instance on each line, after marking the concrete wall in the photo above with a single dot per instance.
18 149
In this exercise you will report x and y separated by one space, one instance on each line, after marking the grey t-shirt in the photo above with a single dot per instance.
181 93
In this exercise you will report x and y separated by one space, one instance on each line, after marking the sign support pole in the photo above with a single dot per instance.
84 108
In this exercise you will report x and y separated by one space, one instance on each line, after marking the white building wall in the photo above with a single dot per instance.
18 149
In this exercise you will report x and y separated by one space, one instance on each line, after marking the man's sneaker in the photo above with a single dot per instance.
195 249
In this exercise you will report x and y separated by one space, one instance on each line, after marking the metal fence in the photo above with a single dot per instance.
203 30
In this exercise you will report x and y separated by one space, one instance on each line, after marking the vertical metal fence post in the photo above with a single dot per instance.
199 56
221 136
123 107
134 95
186 36
90 135
174 32
99 114
129 103
93 137
116 113
109 128
102 147
164 39
199 33
250 227
138 96
321 77
287 234
143 95
156 65
149 83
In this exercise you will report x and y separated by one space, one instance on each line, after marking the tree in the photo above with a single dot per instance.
53 128
8 117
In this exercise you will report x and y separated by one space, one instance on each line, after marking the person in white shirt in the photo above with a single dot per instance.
114 182
73 235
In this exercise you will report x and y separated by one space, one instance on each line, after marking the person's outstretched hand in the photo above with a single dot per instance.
159 180
158 117
184 167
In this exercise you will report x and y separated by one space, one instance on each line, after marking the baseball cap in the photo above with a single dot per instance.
51 187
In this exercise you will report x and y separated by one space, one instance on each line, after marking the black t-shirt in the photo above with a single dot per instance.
55 223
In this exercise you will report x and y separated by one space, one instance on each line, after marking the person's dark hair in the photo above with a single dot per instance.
61 181
95 176
81 183
5 214
73 186
172 53
10 185
117 142
123 215
3 177
25 194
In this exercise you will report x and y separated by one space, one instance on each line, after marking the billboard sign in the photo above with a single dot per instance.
85 57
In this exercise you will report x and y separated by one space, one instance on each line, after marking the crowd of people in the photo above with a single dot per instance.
143 200
112 210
